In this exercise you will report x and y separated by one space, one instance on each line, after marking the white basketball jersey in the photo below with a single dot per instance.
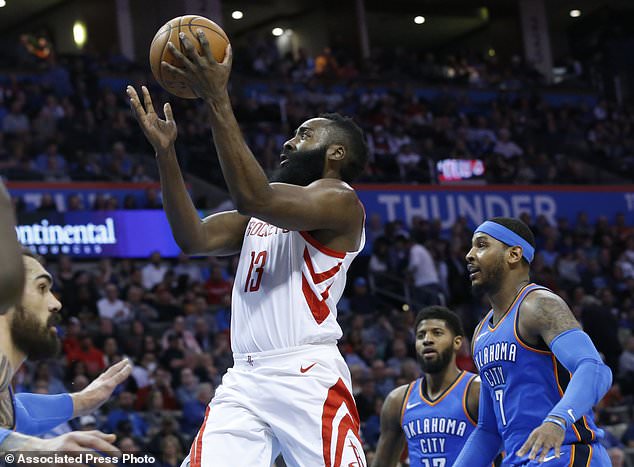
286 290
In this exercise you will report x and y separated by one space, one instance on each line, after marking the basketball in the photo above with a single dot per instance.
159 51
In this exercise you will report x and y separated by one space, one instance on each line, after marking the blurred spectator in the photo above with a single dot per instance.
217 286
112 307
124 419
188 388
154 271
185 267
421 266
89 355
43 376
194 410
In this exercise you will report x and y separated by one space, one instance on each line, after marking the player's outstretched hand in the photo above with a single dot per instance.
99 391
80 441
160 133
204 75
542 439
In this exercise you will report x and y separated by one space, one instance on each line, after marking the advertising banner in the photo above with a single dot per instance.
478 203
125 234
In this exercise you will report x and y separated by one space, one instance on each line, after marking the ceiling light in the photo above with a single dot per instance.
419 19
575 13
277 31
237 14
79 33
3 3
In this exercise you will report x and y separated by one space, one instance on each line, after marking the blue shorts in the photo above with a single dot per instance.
574 455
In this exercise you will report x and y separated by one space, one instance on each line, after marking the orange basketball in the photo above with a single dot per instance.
169 32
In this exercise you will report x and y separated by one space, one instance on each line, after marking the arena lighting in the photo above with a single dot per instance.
237 14
575 13
277 32
79 33
419 19
3 3
491 52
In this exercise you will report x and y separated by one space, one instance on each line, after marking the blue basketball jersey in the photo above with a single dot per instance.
524 383
437 430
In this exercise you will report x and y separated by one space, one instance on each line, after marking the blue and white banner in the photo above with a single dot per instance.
124 234
137 233
478 203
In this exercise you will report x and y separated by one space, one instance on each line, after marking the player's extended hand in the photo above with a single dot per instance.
545 437
160 133
99 391
81 441
204 75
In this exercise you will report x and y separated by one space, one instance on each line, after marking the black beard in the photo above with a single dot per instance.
492 282
302 167
438 365
32 338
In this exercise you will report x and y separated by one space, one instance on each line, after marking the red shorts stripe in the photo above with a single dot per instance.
338 395
195 454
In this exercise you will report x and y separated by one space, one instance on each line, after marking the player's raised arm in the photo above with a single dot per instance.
328 204
220 234
11 266
392 440
546 316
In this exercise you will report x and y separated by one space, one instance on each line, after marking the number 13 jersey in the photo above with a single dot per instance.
286 290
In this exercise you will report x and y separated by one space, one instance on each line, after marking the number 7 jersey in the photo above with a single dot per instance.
286 290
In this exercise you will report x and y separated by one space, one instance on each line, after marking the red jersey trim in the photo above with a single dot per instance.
324 249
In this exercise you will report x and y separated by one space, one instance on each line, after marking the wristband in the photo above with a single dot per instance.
556 421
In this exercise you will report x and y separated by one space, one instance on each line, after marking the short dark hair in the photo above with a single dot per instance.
517 226
348 133
443 313
26 251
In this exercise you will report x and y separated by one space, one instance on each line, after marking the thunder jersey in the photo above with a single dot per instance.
437 430
286 290
523 382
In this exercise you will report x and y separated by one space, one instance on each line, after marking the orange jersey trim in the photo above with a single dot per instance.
444 394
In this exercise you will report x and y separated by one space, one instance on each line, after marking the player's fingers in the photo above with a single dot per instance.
135 103
109 437
167 110
545 450
537 446
557 450
117 367
98 442
169 68
204 45
179 58
189 50
228 60
527 444
147 100
122 372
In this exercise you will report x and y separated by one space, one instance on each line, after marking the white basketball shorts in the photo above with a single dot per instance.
296 402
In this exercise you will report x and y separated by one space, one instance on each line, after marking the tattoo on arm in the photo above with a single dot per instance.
6 410
552 316
5 373
6 404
